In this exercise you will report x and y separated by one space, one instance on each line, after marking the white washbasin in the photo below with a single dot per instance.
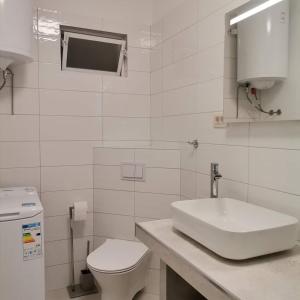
235 229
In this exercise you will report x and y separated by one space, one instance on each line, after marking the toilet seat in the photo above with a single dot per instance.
117 256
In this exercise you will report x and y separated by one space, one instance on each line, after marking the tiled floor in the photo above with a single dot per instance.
63 295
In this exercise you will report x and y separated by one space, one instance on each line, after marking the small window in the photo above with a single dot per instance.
92 50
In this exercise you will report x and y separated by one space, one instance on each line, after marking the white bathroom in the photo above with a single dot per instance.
149 149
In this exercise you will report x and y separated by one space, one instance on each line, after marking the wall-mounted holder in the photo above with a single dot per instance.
87 285
194 143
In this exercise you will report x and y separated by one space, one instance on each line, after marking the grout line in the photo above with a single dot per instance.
188 85
133 191
57 89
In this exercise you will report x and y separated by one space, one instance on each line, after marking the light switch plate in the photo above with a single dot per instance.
218 120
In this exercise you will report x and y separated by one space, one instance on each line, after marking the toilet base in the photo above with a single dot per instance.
118 284
123 286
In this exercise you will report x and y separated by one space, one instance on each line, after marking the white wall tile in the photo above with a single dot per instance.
155 206
162 181
206 7
156 32
58 252
211 31
109 177
185 43
49 20
156 129
66 178
180 101
114 226
26 75
233 189
66 153
279 135
139 59
233 161
19 154
113 156
51 77
20 177
114 202
156 58
275 169
196 98
204 66
188 184
180 18
188 157
138 33
203 186
26 101
115 128
156 105
19 128
49 49
54 102
233 134
58 203
210 95
126 105
181 128
58 277
135 83
168 52
156 82
158 158
57 228
70 128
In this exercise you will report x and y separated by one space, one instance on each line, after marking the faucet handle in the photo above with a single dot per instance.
215 171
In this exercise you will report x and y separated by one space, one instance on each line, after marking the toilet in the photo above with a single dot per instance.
119 268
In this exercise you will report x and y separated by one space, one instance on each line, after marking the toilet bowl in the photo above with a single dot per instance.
120 268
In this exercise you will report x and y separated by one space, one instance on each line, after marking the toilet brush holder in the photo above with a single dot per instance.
86 286
86 280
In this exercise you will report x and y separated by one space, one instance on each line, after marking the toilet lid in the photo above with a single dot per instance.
116 256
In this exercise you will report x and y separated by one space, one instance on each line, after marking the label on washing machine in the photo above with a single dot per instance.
32 240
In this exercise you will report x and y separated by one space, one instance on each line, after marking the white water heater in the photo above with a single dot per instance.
16 23
263 46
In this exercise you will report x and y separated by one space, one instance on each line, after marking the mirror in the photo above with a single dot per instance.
262 62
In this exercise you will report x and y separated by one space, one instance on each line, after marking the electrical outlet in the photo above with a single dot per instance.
218 120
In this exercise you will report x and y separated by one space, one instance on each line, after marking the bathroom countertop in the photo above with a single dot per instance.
272 277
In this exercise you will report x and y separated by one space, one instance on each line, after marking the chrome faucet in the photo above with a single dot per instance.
214 178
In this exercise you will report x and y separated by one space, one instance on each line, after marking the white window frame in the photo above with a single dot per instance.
68 35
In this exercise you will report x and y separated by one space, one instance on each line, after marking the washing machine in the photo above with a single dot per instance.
22 274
